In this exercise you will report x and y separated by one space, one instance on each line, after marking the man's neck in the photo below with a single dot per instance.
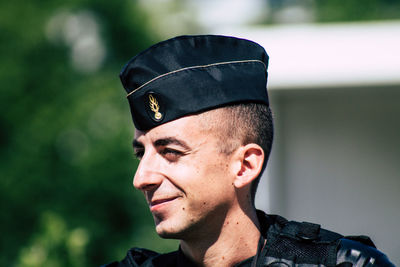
236 241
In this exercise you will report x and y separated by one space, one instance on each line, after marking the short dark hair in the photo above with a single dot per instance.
242 124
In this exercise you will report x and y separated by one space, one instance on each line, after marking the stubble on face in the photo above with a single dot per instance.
199 179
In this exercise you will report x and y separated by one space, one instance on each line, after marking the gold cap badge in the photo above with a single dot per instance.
155 107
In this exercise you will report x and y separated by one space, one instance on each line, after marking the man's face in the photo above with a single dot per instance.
187 182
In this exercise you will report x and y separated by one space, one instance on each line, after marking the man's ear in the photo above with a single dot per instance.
249 161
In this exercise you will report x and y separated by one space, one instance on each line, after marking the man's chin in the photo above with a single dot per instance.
168 234
167 231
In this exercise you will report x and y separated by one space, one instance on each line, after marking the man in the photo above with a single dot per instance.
203 136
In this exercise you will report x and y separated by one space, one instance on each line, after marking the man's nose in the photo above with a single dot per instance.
147 176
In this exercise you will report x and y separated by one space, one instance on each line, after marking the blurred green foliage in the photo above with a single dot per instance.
356 10
66 160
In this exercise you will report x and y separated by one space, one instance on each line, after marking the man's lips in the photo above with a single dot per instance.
157 203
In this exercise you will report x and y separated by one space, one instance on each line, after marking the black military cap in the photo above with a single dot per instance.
190 74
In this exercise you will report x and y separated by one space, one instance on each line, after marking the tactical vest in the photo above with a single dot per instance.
307 244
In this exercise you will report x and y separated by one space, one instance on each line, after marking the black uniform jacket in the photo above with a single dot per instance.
287 244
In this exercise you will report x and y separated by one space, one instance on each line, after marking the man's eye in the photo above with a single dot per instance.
139 154
171 154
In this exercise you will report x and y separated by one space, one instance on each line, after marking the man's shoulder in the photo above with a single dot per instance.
294 243
146 258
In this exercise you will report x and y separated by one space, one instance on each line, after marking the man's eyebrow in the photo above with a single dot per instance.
137 144
170 141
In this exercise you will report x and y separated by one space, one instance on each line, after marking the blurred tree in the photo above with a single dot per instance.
66 162
356 10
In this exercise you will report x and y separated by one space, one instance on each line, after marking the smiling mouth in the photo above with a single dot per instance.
159 202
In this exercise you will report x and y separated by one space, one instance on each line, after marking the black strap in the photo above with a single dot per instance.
261 244
305 231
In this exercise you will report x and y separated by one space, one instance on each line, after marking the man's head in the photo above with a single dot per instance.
196 169
204 127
